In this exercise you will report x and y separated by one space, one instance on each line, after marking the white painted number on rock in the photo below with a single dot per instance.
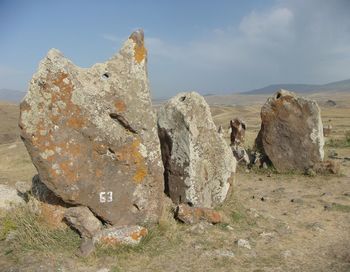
106 197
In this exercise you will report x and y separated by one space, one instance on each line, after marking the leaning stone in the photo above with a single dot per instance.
9 198
121 235
83 220
291 133
193 215
199 165
92 135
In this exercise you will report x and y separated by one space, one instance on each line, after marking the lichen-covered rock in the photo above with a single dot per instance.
9 198
291 133
92 135
199 165
49 207
120 235
83 220
193 215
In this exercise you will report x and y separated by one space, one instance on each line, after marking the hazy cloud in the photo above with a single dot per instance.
293 42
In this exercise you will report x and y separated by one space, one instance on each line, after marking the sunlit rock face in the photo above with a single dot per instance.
199 165
92 135
291 133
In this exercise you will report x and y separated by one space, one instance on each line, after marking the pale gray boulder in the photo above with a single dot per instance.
199 165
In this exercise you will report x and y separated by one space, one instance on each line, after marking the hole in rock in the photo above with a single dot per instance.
182 98
278 95
111 150
105 75
137 207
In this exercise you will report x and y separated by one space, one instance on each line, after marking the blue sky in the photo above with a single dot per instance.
207 46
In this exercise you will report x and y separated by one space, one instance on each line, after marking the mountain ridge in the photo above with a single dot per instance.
336 86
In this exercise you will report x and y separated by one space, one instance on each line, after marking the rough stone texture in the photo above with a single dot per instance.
83 220
291 133
199 165
47 205
9 198
193 215
238 128
92 134
122 235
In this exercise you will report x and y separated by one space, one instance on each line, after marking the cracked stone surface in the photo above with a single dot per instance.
92 134
199 165
291 133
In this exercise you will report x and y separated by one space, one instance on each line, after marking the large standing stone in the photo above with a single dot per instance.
291 133
199 165
92 135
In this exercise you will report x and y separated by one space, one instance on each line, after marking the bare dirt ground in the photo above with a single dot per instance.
291 222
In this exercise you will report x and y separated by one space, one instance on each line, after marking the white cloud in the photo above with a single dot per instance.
293 42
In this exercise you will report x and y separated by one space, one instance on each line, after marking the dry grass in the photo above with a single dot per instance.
285 235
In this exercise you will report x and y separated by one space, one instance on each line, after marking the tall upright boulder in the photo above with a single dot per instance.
92 135
199 165
291 133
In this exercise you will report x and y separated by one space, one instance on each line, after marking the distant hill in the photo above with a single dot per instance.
338 86
13 96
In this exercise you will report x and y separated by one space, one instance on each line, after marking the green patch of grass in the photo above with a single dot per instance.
33 235
237 216
340 143
7 225
340 208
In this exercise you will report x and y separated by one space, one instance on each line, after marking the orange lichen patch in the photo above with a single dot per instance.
107 240
52 216
71 113
132 156
68 171
140 52
98 173
137 235
120 105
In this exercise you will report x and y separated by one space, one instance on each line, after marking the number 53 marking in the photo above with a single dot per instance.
106 197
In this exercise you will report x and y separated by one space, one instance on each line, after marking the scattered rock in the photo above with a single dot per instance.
238 128
240 154
47 205
9 198
327 167
83 220
332 153
199 165
291 133
193 215
220 130
330 103
243 243
23 187
86 247
120 235
92 134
